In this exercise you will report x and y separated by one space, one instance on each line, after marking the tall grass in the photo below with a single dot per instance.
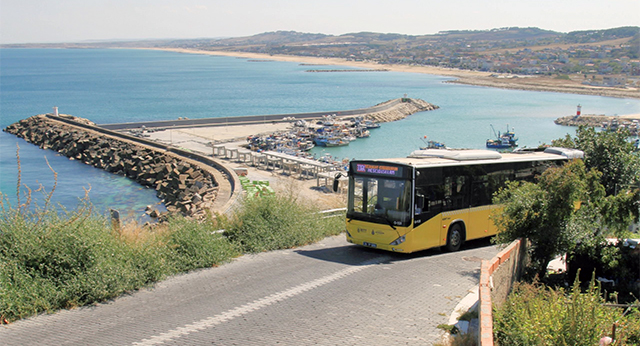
278 222
540 316
51 258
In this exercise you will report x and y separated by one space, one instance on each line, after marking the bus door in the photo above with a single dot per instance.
429 201
480 224
457 186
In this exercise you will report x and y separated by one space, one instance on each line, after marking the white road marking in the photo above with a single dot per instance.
257 304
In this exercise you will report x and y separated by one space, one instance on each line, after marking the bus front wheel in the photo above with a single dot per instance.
454 238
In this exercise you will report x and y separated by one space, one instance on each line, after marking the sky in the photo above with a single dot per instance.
49 21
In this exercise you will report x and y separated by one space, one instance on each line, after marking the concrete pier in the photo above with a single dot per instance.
391 110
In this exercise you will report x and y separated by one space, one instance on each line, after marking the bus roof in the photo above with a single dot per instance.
459 157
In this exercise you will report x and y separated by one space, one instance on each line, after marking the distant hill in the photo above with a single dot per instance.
276 37
511 36
514 33
293 37
507 50
602 35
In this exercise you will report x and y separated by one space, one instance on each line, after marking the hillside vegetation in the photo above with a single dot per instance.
508 50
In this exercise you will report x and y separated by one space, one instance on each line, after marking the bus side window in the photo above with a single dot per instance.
480 194
448 191
422 203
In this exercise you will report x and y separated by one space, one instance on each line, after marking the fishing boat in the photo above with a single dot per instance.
305 145
369 124
320 141
432 144
336 142
502 141
362 133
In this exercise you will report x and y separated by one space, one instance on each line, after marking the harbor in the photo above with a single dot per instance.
172 158
609 123
277 143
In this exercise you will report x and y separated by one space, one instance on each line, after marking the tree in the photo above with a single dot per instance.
541 212
565 210
609 152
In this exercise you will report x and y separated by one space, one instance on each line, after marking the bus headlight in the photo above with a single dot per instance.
398 241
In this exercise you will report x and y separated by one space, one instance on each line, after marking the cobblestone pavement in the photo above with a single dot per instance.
328 293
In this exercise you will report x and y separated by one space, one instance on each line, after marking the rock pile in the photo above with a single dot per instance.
401 110
183 187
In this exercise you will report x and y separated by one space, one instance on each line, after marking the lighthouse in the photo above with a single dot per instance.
578 111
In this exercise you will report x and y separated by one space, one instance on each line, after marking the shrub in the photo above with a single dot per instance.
278 222
538 315
192 244
57 259
52 259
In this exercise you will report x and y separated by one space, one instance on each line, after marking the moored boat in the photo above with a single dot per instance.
502 141
336 142
432 144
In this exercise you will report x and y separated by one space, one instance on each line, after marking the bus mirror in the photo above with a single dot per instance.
336 182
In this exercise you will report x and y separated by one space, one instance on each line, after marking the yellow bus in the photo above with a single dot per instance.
435 197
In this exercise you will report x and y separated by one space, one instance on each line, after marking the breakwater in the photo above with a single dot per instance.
586 120
392 110
612 123
184 184
187 182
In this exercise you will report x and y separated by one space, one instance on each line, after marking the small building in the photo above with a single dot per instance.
614 80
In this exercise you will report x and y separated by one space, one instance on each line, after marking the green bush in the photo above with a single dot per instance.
191 244
538 315
52 260
278 222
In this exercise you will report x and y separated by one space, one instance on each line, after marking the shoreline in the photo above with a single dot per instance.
467 77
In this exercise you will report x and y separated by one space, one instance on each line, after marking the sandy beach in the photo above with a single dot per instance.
488 79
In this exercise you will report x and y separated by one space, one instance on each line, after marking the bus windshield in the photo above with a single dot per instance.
380 200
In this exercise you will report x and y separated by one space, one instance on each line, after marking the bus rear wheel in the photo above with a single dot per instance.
454 238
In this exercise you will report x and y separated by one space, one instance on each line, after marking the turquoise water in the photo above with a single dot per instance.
108 86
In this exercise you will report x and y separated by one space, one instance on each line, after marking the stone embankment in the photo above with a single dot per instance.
187 182
590 120
183 187
400 111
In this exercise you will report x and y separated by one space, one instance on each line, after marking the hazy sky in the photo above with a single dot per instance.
32 21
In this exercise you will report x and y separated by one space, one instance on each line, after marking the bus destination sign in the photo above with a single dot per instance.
379 169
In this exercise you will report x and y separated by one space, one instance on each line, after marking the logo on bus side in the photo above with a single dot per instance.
362 230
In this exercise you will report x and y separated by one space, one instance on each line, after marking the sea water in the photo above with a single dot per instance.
112 86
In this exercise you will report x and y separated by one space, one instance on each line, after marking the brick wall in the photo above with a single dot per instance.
497 277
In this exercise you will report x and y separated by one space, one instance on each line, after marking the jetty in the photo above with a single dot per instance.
391 110
612 123
193 173
187 183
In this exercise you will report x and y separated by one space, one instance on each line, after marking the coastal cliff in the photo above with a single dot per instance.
183 187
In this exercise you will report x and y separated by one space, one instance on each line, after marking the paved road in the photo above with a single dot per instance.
329 293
